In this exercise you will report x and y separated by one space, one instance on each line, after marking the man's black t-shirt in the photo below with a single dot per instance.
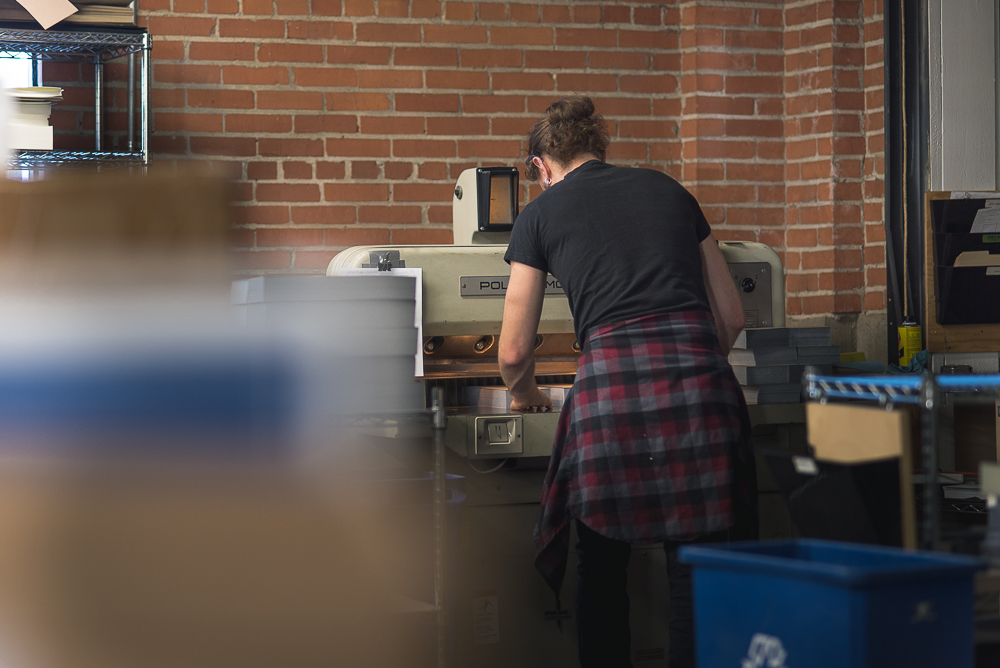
624 243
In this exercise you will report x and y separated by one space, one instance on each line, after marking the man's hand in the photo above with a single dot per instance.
538 402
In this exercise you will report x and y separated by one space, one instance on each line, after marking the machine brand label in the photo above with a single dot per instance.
496 286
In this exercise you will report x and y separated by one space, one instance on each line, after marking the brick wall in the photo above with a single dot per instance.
348 121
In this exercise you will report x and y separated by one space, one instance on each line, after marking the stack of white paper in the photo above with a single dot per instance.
29 126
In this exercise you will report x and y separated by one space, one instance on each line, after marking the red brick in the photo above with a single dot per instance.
287 192
224 145
623 106
377 148
366 55
360 236
325 123
615 14
644 129
386 32
290 53
422 192
289 99
389 215
522 81
520 36
454 34
283 147
650 16
425 9
357 101
390 79
586 37
488 149
423 148
365 170
588 13
326 169
160 98
489 58
422 236
255 76
491 11
424 57
507 126
492 104
329 77
189 122
460 11
262 171
356 192
448 125
619 60
186 26
401 171
247 28
220 51
586 82
419 102
323 214
649 39
320 30
393 8
553 60
292 7
392 125
223 7
220 99
359 7
457 79
326 7
265 7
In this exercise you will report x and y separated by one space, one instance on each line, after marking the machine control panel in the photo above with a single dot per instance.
753 282
499 435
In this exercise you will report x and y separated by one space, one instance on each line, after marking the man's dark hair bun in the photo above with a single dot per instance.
569 110
570 128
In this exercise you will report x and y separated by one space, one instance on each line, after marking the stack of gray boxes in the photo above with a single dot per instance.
769 362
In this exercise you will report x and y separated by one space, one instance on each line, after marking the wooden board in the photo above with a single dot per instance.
949 338
853 434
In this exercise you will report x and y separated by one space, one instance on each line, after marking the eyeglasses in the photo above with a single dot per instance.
531 160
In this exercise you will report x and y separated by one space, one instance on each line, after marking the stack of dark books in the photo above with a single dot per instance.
769 362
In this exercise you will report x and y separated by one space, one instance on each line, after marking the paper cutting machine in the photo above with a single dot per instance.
463 292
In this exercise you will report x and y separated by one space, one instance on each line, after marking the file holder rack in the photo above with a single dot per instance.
925 391
947 233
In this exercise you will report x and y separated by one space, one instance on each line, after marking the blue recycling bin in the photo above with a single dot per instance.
824 604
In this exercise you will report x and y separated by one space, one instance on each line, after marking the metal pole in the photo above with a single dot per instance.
145 78
440 536
930 522
98 101
131 103
34 71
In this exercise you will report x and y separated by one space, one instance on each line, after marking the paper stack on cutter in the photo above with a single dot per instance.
29 125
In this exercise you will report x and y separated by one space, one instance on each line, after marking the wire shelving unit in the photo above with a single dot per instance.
925 391
97 45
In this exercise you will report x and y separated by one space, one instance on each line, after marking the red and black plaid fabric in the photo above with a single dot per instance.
648 440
